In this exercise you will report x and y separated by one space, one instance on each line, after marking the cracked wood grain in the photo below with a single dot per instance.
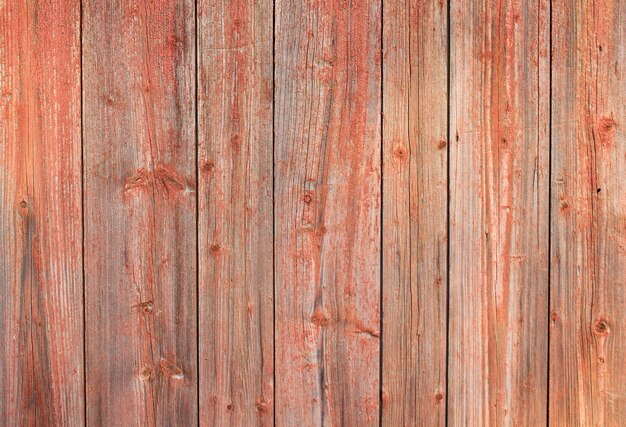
415 103
327 211
499 215
140 212
41 311
588 256
235 98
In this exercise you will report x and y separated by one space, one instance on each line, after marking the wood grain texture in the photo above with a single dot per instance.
588 259
327 211
499 160
41 311
235 212
415 111
140 211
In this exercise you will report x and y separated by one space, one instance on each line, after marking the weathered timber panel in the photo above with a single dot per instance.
235 212
499 215
41 299
327 211
415 111
140 211
588 257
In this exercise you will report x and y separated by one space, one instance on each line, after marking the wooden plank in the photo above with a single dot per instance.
588 262
235 212
327 211
140 211
415 110
499 112
41 311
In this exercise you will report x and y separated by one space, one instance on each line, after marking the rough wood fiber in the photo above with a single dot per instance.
415 103
41 312
235 212
588 260
499 212
140 205
327 210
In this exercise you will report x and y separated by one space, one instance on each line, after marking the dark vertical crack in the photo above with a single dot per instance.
274 207
549 219
382 210
197 142
82 209
448 212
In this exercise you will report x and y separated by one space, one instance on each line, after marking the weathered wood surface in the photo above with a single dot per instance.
588 259
41 311
499 215
415 103
140 212
327 211
407 212
235 95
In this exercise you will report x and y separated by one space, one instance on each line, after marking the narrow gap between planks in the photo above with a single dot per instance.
82 213
382 212
274 208
197 139
448 198
549 215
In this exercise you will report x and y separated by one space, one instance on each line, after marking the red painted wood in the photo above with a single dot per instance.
499 215
588 269
327 209
140 212
235 212
41 311
342 152
415 109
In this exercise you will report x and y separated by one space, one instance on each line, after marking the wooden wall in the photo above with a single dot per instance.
313 212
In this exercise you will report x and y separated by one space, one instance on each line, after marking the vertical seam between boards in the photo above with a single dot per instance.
448 198
382 212
197 142
274 385
82 210
549 217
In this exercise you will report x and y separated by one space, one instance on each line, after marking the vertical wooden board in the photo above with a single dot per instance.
235 212
415 111
327 211
588 259
41 312
140 211
499 212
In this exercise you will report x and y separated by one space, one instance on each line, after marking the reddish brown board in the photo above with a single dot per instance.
499 215
415 110
41 311
588 259
140 211
327 211
235 212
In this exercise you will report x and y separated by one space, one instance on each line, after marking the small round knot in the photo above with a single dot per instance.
400 153
601 327
208 166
